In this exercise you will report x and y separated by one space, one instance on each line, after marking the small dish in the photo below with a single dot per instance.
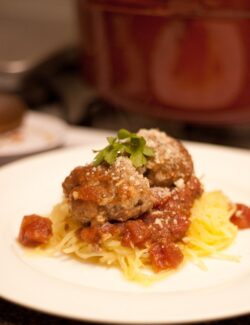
38 132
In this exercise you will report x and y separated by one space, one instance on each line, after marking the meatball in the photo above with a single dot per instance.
105 193
171 163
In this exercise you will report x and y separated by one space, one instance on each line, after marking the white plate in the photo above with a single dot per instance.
69 288
38 132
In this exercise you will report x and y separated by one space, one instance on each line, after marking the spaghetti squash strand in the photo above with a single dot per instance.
210 232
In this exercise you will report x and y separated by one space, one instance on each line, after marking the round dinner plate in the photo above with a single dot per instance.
38 132
66 287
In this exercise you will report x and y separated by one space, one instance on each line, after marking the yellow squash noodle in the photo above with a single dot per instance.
211 230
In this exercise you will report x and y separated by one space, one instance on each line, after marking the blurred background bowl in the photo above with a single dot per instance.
178 60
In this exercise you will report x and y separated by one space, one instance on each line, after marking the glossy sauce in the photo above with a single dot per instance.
159 230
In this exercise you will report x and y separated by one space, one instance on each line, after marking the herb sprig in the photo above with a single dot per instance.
125 144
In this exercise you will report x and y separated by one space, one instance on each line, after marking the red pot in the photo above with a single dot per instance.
180 60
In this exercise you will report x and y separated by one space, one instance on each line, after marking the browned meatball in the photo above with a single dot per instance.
171 163
99 194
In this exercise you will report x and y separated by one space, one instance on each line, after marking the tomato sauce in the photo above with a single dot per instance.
159 230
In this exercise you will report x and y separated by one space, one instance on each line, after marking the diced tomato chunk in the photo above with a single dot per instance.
91 235
135 233
35 230
165 256
241 217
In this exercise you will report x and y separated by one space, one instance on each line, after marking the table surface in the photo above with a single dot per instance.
12 314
